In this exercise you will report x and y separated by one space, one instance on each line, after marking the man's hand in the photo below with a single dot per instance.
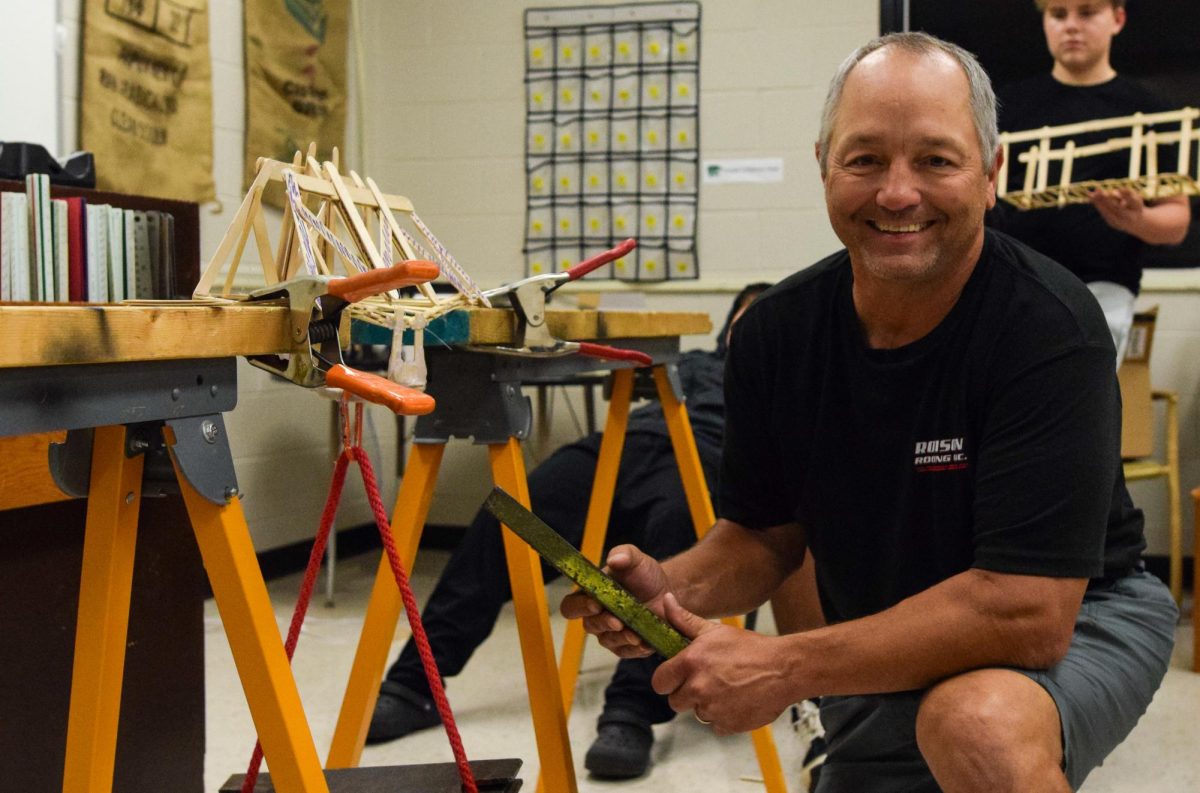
1120 207
1161 222
645 580
733 679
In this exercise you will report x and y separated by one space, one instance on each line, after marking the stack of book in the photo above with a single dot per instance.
65 249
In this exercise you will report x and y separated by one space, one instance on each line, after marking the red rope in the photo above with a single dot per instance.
352 449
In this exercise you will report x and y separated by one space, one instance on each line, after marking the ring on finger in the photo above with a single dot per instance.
700 719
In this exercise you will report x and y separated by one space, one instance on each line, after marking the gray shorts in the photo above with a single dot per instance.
1123 640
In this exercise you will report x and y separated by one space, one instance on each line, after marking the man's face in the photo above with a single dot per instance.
1079 33
906 189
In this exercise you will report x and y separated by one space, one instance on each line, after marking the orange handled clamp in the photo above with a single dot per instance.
315 305
528 300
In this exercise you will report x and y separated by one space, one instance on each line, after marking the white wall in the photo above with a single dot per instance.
29 87
445 126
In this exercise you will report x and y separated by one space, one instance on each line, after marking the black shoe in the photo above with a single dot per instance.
622 746
398 712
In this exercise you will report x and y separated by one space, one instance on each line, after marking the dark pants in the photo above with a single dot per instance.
649 510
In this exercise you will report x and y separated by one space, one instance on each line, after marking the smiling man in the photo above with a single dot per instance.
932 412
1101 242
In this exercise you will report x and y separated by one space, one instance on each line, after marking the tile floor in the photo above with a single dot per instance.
492 712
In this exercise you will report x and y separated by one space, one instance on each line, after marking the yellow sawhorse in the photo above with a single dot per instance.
169 407
548 703
108 467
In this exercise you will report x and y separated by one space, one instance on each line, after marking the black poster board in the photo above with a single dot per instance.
1158 46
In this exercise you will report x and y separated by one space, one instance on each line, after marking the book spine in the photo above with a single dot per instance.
77 250
97 260
60 246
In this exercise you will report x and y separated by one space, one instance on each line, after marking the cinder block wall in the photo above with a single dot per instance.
444 125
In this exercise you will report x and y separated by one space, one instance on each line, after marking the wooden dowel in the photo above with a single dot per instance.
1135 148
1152 163
1043 164
1031 168
1068 164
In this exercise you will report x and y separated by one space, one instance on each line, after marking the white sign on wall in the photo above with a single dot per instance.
732 171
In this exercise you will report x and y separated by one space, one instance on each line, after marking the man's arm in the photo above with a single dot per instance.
972 620
1162 222
734 569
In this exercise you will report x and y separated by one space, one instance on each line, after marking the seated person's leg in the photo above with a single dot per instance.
473 587
651 511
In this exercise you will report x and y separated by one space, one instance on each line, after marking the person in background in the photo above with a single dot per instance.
649 508
1100 242
933 412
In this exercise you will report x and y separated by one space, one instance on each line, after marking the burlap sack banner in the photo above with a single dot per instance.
146 95
295 80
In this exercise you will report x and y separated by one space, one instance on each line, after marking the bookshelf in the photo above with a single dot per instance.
187 223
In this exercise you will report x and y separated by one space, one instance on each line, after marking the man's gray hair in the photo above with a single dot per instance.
981 95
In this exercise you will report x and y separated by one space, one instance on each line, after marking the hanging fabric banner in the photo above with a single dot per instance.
146 97
295 80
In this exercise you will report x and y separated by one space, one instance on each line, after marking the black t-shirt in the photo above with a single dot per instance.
992 442
1075 235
